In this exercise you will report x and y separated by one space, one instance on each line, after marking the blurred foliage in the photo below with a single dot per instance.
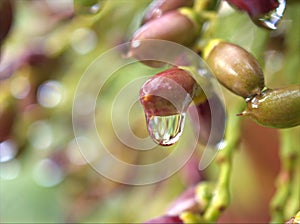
45 179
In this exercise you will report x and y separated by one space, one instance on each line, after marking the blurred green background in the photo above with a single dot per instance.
44 178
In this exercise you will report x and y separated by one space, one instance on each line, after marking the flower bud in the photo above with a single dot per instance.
264 13
6 18
187 201
169 92
159 7
235 68
255 7
179 26
207 135
278 108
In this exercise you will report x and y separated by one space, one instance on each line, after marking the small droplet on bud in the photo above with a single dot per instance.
263 13
277 108
88 6
271 19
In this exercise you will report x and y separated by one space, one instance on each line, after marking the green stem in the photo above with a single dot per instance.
221 196
289 155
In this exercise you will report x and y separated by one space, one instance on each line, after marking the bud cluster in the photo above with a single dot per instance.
240 72
170 93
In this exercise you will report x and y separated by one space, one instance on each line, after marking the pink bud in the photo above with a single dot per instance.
159 7
178 26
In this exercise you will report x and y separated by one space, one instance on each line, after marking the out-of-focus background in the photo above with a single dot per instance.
43 176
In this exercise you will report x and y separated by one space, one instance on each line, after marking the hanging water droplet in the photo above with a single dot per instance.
166 130
271 19
88 6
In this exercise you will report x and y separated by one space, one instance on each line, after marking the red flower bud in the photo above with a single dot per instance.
168 93
159 7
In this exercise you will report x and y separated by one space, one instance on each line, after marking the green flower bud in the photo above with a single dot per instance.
235 68
169 92
179 26
278 108
159 7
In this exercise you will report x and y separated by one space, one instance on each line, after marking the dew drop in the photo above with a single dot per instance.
166 130
88 7
95 8
271 19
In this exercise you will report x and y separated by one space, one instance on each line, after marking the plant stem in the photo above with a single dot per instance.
221 197
287 177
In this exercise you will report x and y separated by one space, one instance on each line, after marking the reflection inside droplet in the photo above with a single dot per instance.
166 130
50 94
271 19
10 170
8 150
40 135
47 173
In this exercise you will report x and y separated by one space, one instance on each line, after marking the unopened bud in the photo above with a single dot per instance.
159 7
179 26
169 92
277 108
235 68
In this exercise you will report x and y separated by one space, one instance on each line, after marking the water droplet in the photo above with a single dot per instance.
88 7
95 8
166 130
135 44
271 19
